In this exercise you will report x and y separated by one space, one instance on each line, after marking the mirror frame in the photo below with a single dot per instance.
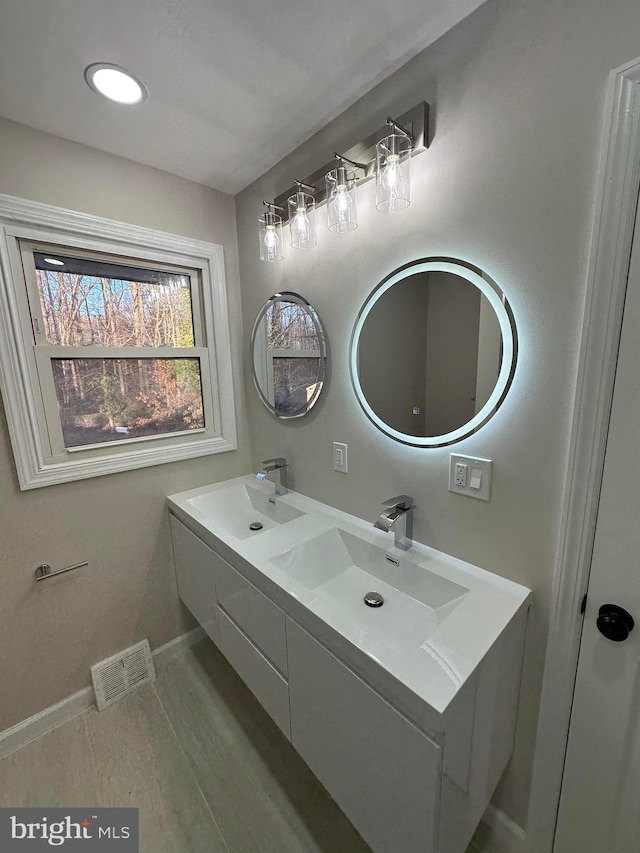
500 305
290 296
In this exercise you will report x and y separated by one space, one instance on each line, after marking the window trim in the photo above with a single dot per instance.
32 221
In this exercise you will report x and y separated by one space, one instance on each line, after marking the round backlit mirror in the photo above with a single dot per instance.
433 352
288 355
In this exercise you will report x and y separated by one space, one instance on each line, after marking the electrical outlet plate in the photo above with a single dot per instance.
461 469
340 457
477 476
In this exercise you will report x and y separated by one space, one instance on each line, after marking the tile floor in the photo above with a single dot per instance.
199 757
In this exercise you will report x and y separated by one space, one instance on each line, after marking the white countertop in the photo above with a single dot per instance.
430 660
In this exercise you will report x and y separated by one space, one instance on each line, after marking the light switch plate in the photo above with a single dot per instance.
478 476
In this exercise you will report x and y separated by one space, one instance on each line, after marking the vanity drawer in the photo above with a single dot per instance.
260 619
263 679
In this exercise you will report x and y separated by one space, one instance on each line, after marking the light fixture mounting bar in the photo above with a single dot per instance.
396 126
306 186
416 124
342 159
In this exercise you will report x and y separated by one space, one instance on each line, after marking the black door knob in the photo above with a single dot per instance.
614 622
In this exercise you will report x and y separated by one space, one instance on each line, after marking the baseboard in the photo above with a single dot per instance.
55 715
39 724
506 833
163 655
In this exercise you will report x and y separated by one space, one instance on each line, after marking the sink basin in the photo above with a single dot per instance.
339 569
241 505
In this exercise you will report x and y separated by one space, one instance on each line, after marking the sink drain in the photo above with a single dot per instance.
373 599
255 525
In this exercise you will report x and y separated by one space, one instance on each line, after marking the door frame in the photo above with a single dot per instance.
614 220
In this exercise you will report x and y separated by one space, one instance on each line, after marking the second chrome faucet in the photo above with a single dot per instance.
398 516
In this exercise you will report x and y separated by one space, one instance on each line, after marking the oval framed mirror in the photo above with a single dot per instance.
288 355
433 352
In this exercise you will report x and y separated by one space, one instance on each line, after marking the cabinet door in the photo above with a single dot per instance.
381 770
260 676
260 619
194 574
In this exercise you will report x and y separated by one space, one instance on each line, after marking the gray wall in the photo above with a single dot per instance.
52 633
508 184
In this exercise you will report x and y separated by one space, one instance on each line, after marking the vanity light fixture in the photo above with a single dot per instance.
342 211
302 214
383 155
116 83
270 233
393 173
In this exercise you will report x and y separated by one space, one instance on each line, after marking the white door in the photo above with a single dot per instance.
600 802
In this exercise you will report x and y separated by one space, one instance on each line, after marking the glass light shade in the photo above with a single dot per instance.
393 175
302 220
342 211
270 237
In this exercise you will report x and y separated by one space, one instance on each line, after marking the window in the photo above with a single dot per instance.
102 331
122 346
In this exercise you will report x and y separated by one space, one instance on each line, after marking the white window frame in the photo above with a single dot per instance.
24 398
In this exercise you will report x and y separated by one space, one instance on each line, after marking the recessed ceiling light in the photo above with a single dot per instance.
54 261
116 83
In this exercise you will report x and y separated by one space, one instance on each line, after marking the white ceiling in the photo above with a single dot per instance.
234 85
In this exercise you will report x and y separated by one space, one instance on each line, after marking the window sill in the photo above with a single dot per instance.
49 473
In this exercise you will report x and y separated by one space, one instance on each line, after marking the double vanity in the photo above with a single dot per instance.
394 673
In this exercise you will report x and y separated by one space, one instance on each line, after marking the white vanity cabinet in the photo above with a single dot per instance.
383 772
407 717
194 575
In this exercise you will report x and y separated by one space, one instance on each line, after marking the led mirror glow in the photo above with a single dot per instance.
115 83
449 330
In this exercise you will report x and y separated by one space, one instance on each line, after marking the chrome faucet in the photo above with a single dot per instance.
399 517
279 466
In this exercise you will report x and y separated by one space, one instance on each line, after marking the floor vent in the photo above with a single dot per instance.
123 673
